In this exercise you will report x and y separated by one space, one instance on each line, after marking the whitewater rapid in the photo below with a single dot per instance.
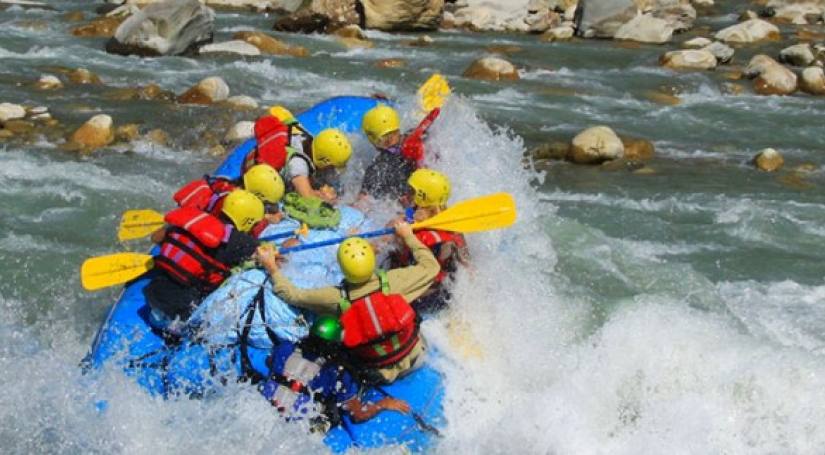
679 312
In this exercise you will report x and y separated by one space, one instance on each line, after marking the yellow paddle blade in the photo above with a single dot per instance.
433 93
104 271
135 224
485 213
463 341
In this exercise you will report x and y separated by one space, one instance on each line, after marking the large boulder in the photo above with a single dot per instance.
207 91
645 28
813 80
750 31
602 18
679 14
326 16
95 133
392 15
172 27
771 78
596 145
491 69
689 59
320 16
527 16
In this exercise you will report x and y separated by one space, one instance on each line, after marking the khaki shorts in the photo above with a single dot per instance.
407 365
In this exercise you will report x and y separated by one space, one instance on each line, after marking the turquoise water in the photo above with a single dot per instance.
677 312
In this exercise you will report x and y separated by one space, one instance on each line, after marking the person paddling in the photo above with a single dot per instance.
381 329
209 193
309 380
196 254
398 155
429 192
299 160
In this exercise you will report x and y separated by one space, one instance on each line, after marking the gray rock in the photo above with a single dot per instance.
645 29
797 55
722 52
172 27
602 18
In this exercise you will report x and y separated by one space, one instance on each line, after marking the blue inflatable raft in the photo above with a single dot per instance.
238 324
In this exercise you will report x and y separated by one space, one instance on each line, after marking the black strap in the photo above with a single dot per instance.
247 371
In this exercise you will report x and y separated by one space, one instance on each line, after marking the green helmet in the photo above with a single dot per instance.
327 328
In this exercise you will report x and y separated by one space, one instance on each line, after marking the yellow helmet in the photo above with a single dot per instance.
379 121
432 188
263 181
244 209
357 260
281 113
331 148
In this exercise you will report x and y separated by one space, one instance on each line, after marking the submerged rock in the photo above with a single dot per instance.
269 45
813 80
645 28
596 145
99 27
171 27
750 31
95 133
235 47
207 91
391 63
84 76
127 133
242 102
768 160
689 59
637 149
48 82
491 69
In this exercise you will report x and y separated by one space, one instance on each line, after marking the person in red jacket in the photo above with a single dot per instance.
429 193
298 157
208 194
399 155
197 251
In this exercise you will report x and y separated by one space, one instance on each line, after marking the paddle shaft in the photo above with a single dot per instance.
335 241
281 235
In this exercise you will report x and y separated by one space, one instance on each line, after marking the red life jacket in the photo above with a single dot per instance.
204 194
434 240
412 146
186 253
272 137
380 328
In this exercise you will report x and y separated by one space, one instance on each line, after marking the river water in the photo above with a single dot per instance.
680 311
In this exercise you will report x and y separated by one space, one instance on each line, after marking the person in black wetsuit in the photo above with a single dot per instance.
197 251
